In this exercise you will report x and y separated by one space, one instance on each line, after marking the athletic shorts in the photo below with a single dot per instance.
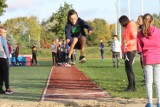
78 44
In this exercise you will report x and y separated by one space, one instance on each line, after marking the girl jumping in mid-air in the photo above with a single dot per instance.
75 34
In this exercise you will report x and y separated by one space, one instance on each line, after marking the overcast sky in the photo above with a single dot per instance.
87 9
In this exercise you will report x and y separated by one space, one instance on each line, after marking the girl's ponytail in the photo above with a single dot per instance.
147 21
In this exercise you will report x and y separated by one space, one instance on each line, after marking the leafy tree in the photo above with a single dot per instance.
58 20
3 5
24 30
34 30
11 40
46 36
156 20
101 30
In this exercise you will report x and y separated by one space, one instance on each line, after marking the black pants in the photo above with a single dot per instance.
34 58
129 69
102 54
54 58
16 58
4 73
63 57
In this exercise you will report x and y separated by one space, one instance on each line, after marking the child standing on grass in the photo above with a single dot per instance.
75 34
149 47
140 25
116 49
4 62
34 55
16 55
102 49
54 53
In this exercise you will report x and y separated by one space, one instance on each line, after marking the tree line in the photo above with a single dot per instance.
27 31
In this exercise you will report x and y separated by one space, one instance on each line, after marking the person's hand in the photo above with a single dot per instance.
68 40
125 42
89 32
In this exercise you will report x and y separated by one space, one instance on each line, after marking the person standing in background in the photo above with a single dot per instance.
102 49
62 49
129 47
140 25
16 54
4 62
149 46
54 53
34 55
116 49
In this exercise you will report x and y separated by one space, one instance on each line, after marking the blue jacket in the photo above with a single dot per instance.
101 46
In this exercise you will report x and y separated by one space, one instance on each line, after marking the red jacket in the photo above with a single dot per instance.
129 37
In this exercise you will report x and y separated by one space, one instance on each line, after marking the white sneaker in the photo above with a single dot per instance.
82 60
67 65
72 63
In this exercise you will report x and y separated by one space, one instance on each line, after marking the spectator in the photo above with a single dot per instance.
116 49
34 55
4 62
16 55
149 47
129 47
140 25
102 49
54 53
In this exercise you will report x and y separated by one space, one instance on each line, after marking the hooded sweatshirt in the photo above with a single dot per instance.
130 36
77 29
149 46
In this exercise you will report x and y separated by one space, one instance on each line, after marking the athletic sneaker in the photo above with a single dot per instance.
82 59
67 65
72 63
2 91
8 91
68 60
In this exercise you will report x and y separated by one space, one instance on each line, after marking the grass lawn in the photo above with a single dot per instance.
28 82
114 80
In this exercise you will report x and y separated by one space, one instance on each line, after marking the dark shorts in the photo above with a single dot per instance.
78 44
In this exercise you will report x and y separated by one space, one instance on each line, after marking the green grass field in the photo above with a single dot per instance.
113 80
28 82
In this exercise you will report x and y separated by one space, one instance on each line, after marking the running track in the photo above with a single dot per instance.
65 83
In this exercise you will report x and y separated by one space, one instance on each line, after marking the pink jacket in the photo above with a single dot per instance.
149 46
130 36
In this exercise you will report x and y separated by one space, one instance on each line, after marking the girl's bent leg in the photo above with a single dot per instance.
83 44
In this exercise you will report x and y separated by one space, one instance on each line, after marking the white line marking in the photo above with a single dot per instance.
45 90
92 93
